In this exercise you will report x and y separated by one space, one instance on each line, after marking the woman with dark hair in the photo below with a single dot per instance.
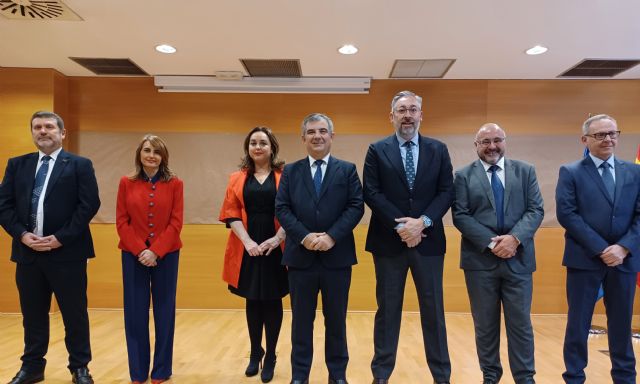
149 220
252 262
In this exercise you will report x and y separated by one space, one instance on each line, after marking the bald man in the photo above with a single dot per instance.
498 208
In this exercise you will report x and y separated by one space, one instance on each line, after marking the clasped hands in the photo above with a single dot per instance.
40 243
148 258
505 247
614 255
264 249
318 241
410 230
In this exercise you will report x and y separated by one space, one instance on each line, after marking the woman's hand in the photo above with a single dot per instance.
253 249
269 245
148 258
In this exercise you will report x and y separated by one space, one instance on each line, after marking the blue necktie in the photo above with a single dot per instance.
607 179
409 166
38 184
317 177
498 196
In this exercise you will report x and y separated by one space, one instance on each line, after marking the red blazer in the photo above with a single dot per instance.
149 212
233 207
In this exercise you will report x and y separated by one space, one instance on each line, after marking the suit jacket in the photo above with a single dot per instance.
474 214
138 222
336 211
233 208
70 202
387 193
592 221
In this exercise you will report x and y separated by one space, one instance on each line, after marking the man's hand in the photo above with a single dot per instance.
51 241
148 258
410 230
35 242
323 242
614 255
308 240
506 246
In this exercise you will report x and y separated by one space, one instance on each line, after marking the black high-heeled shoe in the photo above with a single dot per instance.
255 363
268 367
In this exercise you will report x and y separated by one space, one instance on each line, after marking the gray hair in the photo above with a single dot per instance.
587 123
47 115
316 117
402 94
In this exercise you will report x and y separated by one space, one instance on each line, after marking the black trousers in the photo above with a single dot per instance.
36 283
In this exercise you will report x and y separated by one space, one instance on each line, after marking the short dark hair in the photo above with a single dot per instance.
47 115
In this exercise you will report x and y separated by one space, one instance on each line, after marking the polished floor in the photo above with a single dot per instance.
212 347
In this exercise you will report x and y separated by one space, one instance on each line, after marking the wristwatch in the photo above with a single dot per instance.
426 221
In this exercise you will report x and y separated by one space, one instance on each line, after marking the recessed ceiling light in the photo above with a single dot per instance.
165 48
537 50
348 49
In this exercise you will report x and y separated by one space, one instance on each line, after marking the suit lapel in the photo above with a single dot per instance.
392 152
305 170
620 178
424 159
27 181
481 175
509 181
328 176
592 171
58 168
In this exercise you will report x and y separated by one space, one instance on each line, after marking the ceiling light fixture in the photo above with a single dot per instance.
348 49
537 50
165 48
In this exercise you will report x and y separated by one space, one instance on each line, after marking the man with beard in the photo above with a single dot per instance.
498 208
318 204
408 184
598 204
47 199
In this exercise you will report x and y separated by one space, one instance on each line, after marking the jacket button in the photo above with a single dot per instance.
151 234
151 203
150 214
153 187
151 225
151 195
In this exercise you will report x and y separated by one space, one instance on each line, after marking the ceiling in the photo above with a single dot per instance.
486 38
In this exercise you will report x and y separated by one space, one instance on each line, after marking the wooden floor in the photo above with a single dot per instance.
212 347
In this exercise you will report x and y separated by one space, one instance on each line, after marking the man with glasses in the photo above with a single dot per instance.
598 204
408 184
498 208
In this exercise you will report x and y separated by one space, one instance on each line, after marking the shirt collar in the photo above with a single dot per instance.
486 165
325 159
598 161
53 155
414 139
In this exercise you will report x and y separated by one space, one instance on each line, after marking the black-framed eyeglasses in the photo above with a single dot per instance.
487 142
411 111
601 135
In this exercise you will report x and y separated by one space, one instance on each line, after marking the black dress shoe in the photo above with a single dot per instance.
24 377
380 381
81 376
339 381
487 381
305 381
268 367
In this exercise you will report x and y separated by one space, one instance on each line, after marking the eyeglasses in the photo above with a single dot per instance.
601 135
403 110
487 142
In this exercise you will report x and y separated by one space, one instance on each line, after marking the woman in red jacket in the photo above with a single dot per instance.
252 263
149 221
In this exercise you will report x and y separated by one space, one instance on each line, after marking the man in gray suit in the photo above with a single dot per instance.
498 208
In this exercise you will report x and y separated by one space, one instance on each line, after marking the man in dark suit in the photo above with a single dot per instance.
319 202
408 184
47 200
598 204
498 208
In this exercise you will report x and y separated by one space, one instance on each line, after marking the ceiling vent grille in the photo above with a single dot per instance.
599 68
37 10
420 69
118 67
272 68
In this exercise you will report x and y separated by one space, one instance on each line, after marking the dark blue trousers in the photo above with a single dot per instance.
140 285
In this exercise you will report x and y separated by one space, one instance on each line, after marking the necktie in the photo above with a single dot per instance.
38 184
409 166
607 179
498 196
317 177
